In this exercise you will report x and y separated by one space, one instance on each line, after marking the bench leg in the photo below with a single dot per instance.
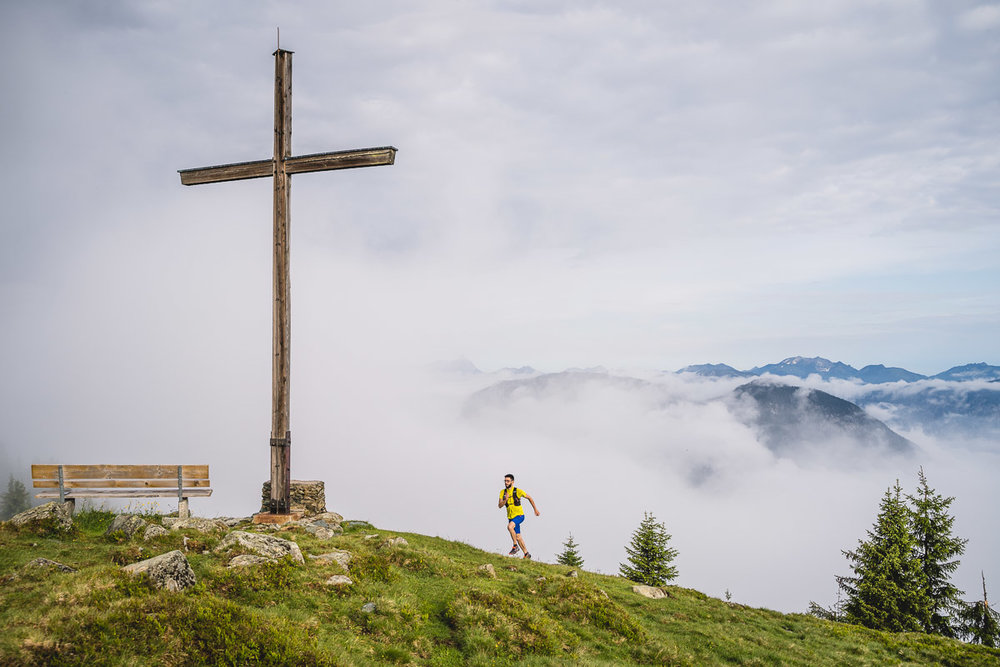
70 503
182 509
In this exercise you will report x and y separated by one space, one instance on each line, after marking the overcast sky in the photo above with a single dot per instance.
627 184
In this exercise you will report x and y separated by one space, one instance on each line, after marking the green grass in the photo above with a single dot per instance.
432 607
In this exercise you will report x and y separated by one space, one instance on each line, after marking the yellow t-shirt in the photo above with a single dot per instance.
512 509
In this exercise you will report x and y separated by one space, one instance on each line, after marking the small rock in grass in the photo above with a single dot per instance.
650 592
128 525
248 560
153 531
170 571
262 545
341 558
48 564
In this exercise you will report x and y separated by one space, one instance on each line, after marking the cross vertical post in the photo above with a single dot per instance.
280 168
281 436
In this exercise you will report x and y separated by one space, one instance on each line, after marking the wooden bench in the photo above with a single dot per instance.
69 482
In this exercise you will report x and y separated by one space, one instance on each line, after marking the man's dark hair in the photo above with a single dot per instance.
510 475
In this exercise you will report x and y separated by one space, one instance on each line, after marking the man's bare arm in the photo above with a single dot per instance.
503 500
532 501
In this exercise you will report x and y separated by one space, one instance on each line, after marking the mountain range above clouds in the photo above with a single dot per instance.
799 407
804 367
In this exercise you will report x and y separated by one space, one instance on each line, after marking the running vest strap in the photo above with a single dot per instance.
517 501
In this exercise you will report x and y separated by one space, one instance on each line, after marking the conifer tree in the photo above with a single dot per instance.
979 623
570 554
888 590
15 501
937 550
649 556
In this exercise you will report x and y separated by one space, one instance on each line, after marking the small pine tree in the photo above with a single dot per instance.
978 623
570 554
937 550
649 556
15 501
888 591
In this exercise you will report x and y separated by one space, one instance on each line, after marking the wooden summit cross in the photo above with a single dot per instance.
280 168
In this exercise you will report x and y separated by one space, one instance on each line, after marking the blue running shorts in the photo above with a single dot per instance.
517 523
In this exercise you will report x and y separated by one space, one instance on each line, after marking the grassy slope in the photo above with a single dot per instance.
434 607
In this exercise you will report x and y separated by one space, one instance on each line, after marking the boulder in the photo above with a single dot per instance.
248 560
262 545
127 524
650 592
170 571
488 570
369 608
572 573
341 558
331 518
233 521
339 580
45 563
397 542
322 531
153 531
200 525
58 512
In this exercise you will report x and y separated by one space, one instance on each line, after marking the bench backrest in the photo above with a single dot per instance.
66 477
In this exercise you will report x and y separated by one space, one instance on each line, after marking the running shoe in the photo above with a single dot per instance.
512 551
527 556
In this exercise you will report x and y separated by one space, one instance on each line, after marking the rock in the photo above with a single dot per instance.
650 592
248 560
540 580
153 531
369 608
331 518
233 521
321 532
45 563
308 497
169 521
127 524
397 542
262 545
59 512
341 558
488 570
339 580
371 537
200 525
572 573
170 571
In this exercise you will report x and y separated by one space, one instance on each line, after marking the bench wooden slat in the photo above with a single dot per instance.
126 493
120 483
47 471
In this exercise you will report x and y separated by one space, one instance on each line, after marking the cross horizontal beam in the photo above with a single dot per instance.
300 164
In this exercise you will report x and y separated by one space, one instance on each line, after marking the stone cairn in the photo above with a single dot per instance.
308 497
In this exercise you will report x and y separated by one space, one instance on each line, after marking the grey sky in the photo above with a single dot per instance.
633 184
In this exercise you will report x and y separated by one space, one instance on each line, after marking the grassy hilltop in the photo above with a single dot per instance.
432 606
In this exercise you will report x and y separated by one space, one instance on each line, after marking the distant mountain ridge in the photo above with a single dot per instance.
803 367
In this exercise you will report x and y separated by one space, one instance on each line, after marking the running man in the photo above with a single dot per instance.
511 497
